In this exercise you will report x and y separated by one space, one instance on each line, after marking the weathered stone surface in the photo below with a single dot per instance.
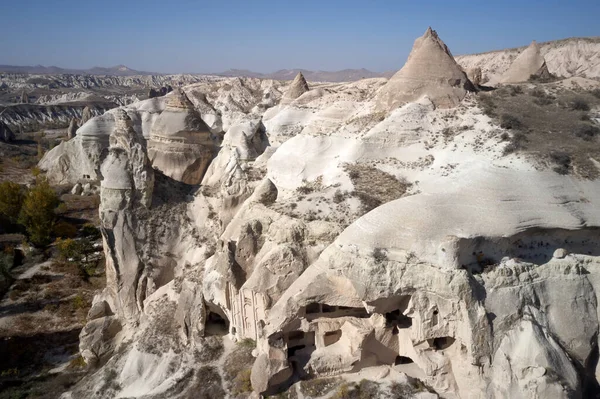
86 115
181 145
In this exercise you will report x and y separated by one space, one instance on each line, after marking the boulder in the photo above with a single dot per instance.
429 71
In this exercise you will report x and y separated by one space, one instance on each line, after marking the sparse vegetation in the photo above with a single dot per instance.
317 387
374 187
562 161
363 390
580 104
546 119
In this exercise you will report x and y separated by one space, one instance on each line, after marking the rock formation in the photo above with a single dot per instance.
298 87
529 63
72 129
24 97
344 240
430 70
6 134
181 145
86 115
159 92
474 75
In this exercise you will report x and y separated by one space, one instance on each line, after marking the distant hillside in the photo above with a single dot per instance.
119 70
565 58
346 75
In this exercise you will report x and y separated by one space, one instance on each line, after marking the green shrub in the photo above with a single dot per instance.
90 231
37 213
64 229
11 200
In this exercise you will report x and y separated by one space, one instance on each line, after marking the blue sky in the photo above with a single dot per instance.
264 36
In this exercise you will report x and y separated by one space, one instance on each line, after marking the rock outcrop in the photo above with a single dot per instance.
181 145
72 129
530 63
24 97
298 87
86 115
6 134
429 71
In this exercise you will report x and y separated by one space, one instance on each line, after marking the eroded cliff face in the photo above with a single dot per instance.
342 239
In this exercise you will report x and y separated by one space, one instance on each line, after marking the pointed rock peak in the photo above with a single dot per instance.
529 62
430 70
178 99
298 87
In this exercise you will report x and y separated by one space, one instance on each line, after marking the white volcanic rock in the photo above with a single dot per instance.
430 70
461 279
181 145
529 63
298 87
576 57
80 158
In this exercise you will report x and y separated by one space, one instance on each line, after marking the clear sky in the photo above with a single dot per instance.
264 36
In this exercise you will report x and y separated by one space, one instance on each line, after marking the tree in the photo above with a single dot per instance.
11 200
37 213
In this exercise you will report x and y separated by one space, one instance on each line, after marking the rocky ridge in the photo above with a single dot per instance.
341 238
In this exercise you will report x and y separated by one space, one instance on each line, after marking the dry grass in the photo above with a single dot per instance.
319 386
550 125
374 187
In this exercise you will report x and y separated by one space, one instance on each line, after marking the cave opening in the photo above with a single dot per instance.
331 337
403 360
440 343
216 324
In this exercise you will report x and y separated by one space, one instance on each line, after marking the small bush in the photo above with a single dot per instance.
508 121
90 231
587 132
11 200
595 93
338 197
562 161
514 90
517 142
580 104
380 255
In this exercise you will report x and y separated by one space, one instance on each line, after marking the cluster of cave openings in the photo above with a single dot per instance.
216 324
297 341
315 310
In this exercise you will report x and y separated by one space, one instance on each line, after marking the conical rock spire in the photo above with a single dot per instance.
529 62
430 70
298 87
